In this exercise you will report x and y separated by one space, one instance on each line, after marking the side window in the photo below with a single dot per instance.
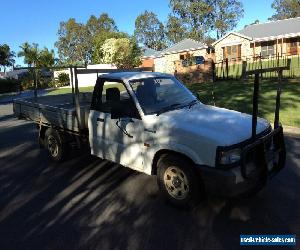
113 92
114 95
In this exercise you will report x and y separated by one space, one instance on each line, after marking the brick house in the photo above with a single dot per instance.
184 51
148 57
266 39
189 60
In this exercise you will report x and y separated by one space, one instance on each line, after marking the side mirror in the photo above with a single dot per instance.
116 112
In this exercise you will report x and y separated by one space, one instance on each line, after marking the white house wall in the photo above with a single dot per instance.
165 64
85 80
230 40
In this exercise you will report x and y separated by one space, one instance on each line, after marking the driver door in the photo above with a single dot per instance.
118 139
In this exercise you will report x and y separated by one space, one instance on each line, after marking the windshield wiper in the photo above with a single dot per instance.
168 108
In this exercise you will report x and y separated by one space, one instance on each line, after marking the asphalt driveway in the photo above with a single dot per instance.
88 203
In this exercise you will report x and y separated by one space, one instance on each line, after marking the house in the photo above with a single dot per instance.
275 38
189 60
17 74
185 50
148 57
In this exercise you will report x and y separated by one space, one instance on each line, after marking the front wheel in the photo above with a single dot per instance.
178 181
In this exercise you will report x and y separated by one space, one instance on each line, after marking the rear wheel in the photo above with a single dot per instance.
178 181
54 144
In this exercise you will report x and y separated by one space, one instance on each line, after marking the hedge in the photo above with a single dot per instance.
9 85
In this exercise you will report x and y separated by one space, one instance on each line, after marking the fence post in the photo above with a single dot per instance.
255 105
223 73
213 69
279 86
226 61
261 74
244 69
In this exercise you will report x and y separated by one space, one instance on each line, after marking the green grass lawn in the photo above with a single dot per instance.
61 91
237 95
235 70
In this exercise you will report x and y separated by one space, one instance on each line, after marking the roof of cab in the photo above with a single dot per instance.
127 76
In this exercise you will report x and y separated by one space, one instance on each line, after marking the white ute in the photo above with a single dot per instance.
152 123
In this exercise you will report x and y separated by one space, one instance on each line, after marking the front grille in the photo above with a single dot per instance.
252 161
263 153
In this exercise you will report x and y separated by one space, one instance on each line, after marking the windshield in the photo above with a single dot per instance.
160 94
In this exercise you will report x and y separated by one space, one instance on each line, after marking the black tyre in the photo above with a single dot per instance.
178 181
55 145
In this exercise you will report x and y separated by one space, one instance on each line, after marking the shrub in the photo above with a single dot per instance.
27 83
62 79
9 85
52 83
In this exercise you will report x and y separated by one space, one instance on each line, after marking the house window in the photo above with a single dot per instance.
184 56
292 46
232 52
267 48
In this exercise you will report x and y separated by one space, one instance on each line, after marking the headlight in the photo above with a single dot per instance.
231 156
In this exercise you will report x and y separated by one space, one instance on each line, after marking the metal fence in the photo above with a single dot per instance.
235 69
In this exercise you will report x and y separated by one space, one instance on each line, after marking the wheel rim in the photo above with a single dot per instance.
52 146
176 183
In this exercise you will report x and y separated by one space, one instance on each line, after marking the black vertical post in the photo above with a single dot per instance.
244 70
279 86
227 68
77 102
255 105
35 82
213 69
72 84
223 71
261 75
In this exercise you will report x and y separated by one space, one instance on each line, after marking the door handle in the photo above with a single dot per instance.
123 130
100 120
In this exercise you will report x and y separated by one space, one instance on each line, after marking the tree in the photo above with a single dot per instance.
122 52
175 30
100 39
224 15
76 40
73 42
255 22
102 24
29 52
193 15
197 18
6 56
33 56
46 58
285 9
150 31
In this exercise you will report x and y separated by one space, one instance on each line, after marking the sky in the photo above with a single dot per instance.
38 20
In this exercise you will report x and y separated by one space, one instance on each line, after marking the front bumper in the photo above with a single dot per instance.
260 160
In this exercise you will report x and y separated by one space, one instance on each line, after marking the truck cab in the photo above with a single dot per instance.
152 123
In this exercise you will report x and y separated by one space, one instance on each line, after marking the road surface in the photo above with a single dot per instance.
88 203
